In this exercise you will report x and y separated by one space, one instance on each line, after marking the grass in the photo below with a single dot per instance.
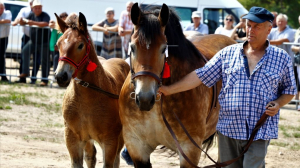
11 96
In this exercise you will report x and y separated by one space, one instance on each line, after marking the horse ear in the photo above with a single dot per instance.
135 14
82 23
62 24
164 15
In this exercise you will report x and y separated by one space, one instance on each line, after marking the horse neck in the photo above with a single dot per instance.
95 77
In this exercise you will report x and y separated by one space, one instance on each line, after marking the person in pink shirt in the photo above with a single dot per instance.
126 26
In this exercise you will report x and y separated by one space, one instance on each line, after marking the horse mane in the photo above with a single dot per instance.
180 47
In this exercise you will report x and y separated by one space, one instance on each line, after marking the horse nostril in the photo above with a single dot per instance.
137 101
152 100
65 77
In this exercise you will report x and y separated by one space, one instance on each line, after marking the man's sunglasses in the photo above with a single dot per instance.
229 20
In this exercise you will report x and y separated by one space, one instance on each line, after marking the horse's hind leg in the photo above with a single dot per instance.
109 150
90 154
75 148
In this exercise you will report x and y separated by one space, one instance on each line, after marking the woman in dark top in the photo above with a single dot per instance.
112 43
239 31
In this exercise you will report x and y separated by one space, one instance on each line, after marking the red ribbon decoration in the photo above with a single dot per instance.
166 73
91 66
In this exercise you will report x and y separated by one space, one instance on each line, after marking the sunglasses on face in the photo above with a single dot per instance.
229 20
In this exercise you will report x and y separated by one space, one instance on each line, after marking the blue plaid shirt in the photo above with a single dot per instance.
243 97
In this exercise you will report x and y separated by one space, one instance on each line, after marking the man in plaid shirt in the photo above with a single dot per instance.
255 75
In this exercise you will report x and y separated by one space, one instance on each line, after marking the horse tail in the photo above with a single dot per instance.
207 144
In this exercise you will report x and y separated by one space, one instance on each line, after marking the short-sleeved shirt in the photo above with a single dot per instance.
4 28
223 31
24 13
127 24
287 33
243 99
202 28
39 35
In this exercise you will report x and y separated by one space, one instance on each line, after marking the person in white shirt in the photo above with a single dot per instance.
5 19
24 13
228 26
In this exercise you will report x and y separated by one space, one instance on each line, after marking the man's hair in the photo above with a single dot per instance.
284 16
129 2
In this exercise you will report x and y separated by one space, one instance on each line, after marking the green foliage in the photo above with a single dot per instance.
288 7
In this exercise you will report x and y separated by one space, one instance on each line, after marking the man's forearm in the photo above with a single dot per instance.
190 81
284 99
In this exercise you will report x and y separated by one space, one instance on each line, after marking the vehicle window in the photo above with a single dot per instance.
214 17
14 9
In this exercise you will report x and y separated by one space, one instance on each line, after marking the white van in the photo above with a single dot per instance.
212 11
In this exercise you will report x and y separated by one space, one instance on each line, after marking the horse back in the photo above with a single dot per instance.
117 70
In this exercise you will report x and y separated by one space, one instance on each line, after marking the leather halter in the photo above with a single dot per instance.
146 73
82 62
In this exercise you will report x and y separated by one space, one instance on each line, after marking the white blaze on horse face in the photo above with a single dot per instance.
146 85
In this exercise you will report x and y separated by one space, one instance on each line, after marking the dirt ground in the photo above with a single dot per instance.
32 131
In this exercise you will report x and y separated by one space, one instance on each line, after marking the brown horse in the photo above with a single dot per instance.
89 115
141 113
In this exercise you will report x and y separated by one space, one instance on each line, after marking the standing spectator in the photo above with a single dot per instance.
296 49
55 35
5 19
112 42
282 33
197 25
257 78
239 31
274 25
126 26
24 13
228 26
39 42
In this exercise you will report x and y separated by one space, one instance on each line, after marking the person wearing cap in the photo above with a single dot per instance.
38 43
112 42
197 25
5 19
24 13
257 78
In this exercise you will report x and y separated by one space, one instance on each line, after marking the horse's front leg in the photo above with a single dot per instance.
110 150
75 148
139 150
191 152
90 154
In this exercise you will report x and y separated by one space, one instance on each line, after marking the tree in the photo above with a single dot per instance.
288 7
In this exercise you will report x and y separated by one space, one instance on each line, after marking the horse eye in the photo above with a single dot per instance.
164 50
80 46
132 48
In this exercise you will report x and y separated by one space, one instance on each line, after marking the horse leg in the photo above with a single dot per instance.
120 146
140 154
109 150
75 148
90 154
192 153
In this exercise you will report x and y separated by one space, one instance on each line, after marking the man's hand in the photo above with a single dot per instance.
272 108
163 90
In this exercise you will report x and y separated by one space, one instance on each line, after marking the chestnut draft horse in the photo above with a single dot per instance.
90 105
140 110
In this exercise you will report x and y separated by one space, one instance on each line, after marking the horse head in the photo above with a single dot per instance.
74 47
147 54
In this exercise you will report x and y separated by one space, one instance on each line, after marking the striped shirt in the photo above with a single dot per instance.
243 98
125 22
